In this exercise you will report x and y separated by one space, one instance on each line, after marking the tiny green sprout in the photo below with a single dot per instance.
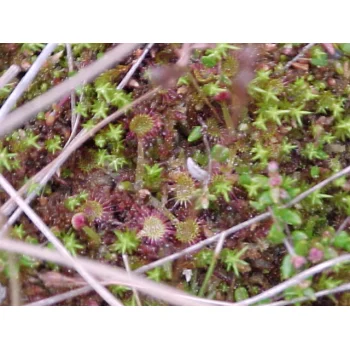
286 147
32 47
319 57
212 89
315 172
53 145
204 258
157 274
152 175
93 235
316 198
184 80
83 196
89 124
287 268
34 187
287 216
221 186
312 152
71 203
119 291
276 235
261 153
102 157
213 56
327 138
241 293
154 171
71 243
274 114
31 140
262 76
6 90
269 94
18 231
343 129
105 90
231 258
342 241
121 99
220 153
260 123
337 109
81 109
117 163
100 140
127 242
254 184
195 134
115 133
6 159
297 113
100 109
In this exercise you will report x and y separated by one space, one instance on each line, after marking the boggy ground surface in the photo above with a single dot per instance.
238 134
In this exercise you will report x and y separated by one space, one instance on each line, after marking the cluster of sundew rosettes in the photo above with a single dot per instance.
155 228
183 187
145 125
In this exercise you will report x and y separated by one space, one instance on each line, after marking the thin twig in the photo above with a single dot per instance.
61 297
102 291
296 280
343 225
109 273
127 268
26 81
83 290
340 289
86 74
240 226
75 118
76 124
134 67
299 55
9 75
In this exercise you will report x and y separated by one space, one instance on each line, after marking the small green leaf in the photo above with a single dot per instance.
220 153
345 48
287 267
209 61
195 134
315 172
299 235
288 216
241 294
275 236
302 247
342 240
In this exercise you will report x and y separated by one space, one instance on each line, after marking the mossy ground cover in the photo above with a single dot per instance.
233 133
